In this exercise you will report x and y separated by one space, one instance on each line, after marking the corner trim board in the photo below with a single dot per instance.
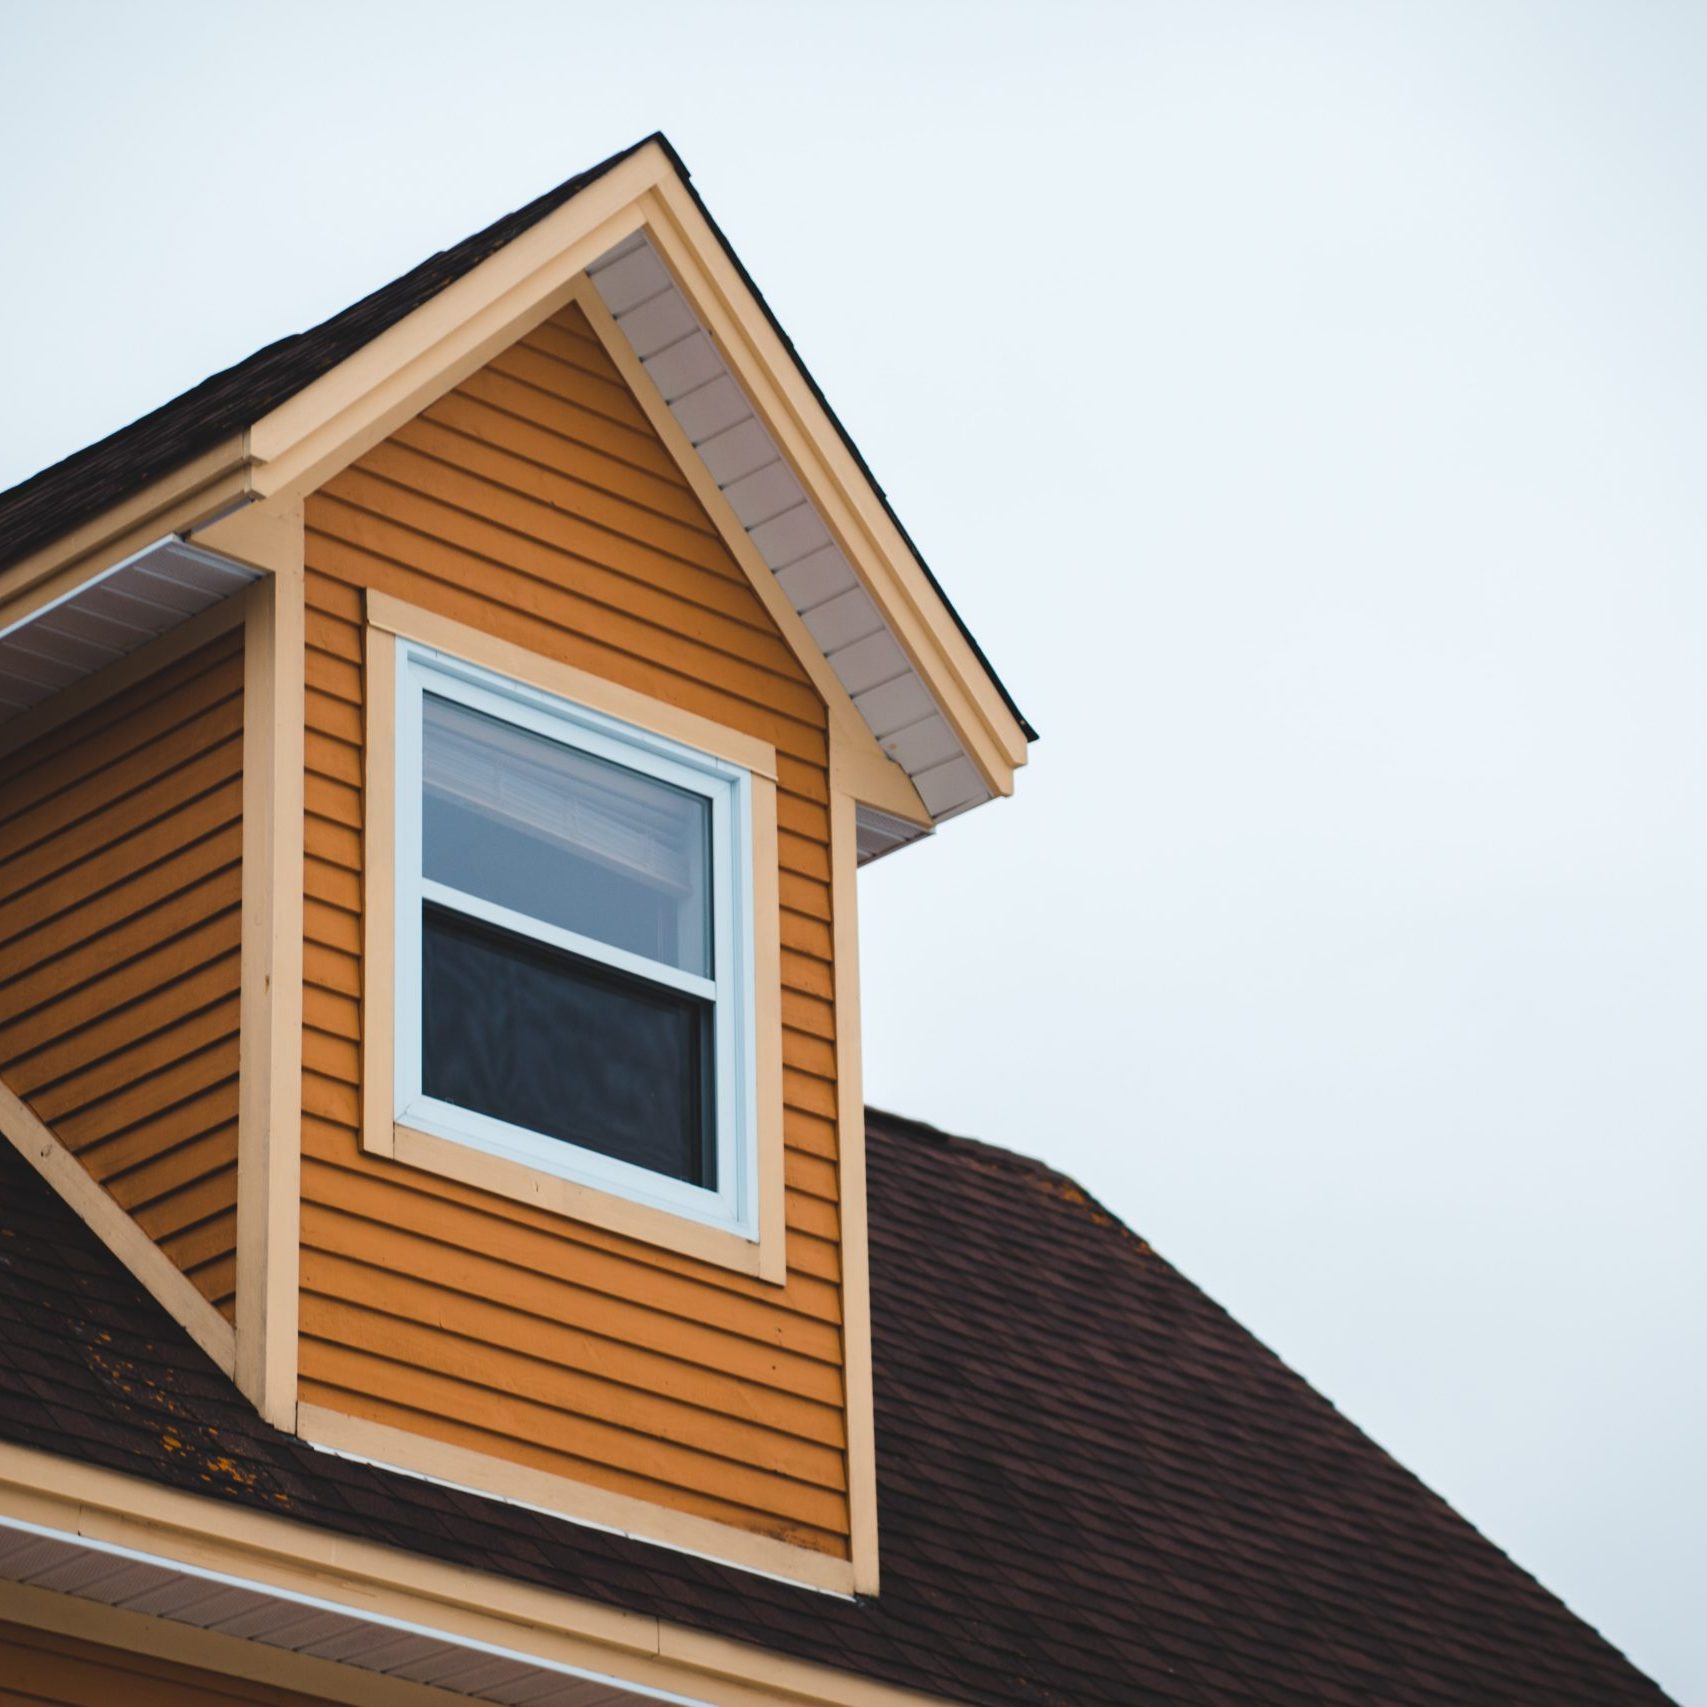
858 1396
269 1114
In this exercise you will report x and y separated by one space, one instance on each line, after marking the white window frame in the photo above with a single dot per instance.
731 991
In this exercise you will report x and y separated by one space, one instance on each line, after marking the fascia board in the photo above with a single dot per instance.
272 1551
859 763
308 438
847 503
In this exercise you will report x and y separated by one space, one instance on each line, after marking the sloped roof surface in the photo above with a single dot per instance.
1095 1489
39 510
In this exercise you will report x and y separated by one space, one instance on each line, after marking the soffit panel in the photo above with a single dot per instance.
134 602
159 1588
771 505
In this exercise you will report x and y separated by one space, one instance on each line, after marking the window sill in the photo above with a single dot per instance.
764 1258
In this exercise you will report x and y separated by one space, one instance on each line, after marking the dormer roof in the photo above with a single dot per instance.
695 321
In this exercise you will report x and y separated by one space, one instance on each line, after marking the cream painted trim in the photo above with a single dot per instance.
122 673
585 1203
850 1155
870 774
771 1159
844 495
270 1551
765 1257
327 425
269 1098
204 487
171 1289
209 1650
561 1496
379 887
410 622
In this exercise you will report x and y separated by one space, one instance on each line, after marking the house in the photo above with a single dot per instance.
444 1252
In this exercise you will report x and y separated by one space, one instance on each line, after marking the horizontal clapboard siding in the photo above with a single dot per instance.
41 1669
535 503
120 909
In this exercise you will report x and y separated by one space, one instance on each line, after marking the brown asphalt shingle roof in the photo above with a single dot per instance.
1095 1488
37 511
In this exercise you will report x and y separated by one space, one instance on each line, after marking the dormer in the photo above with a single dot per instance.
435 758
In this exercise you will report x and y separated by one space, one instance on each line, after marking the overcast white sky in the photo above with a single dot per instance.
1304 404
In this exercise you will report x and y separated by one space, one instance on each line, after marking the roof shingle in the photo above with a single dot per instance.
1095 1488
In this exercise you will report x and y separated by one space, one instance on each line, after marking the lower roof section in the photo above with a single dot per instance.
1094 1487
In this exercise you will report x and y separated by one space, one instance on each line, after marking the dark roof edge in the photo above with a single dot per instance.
996 1155
846 437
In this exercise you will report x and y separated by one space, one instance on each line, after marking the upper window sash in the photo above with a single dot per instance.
730 989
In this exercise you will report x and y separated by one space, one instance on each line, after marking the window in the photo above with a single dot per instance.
574 944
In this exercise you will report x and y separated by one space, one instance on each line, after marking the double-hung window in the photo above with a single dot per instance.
574 943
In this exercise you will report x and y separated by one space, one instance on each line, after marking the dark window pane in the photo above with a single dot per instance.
565 1047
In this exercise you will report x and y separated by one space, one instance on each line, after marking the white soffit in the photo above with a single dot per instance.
123 608
741 456
302 1624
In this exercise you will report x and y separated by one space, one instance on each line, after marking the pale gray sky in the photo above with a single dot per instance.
1305 406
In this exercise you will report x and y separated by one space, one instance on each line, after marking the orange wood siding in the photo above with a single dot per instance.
120 894
534 502
41 1669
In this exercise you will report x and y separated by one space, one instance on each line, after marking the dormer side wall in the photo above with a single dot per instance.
121 834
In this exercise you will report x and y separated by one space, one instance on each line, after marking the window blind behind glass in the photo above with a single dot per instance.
540 827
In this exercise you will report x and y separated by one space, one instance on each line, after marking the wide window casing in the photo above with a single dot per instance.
574 942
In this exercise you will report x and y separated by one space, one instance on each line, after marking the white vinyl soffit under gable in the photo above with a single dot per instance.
119 611
741 456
